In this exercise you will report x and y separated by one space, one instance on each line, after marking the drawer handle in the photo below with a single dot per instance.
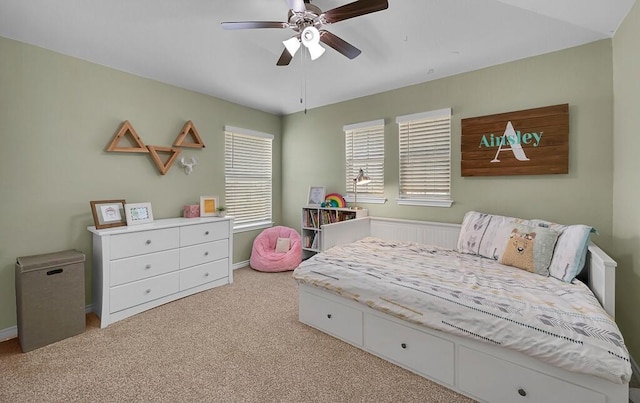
147 267
148 242
206 253
206 274
148 291
522 392
329 315
403 345
206 233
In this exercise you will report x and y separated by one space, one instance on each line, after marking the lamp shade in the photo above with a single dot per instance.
362 178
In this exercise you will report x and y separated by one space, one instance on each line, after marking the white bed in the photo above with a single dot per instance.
477 369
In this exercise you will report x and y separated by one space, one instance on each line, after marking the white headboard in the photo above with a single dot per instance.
600 267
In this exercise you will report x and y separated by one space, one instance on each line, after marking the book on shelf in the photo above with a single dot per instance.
311 219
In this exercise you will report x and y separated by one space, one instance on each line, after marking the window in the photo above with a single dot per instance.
364 149
247 177
425 158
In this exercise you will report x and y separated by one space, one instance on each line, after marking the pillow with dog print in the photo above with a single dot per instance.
530 248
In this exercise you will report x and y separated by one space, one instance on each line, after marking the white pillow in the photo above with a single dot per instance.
283 245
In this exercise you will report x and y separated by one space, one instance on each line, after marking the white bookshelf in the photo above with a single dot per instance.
313 218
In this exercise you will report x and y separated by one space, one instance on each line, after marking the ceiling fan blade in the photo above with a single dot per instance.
355 9
254 24
297 5
339 44
285 58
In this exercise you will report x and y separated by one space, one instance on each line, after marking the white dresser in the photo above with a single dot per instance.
139 267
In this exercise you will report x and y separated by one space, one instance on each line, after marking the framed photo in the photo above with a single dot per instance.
316 196
138 213
208 206
108 213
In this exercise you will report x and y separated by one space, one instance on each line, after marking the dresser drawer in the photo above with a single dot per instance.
331 317
138 243
144 266
139 292
419 351
205 273
203 253
497 381
201 233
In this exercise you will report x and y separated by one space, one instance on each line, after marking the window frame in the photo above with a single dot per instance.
429 199
263 222
374 166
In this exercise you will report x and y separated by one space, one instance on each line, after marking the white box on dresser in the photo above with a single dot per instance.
136 268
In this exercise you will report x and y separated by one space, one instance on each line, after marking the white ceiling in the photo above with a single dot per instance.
180 42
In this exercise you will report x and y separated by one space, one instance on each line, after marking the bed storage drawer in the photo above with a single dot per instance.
496 380
331 317
411 348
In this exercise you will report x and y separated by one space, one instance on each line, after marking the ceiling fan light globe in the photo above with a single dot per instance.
292 45
315 51
310 36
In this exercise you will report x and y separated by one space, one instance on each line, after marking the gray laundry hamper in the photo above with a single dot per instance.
49 298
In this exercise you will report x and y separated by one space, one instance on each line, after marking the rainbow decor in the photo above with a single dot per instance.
335 200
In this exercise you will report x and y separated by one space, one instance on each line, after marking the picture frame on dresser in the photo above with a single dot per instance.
208 206
108 213
138 213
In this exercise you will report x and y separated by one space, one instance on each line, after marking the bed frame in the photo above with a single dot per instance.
473 368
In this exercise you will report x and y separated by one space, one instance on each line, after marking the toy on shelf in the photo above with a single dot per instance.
334 200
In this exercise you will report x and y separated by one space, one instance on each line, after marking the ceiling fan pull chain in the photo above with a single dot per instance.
305 82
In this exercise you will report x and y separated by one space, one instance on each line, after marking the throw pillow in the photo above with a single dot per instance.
571 250
484 234
283 245
529 247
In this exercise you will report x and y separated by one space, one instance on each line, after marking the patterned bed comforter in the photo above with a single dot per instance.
559 323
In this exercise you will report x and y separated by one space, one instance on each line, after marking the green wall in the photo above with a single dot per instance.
626 212
57 116
581 77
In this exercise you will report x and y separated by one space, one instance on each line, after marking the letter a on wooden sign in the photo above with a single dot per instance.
515 146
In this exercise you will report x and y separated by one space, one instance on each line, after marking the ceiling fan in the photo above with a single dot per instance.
308 21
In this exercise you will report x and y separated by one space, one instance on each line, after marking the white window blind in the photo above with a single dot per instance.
425 158
248 176
364 149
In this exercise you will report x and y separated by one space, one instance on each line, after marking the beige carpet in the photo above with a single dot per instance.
240 342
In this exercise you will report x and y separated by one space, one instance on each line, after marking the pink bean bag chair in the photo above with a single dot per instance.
276 249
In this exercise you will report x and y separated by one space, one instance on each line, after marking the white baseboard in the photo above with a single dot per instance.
12 332
8 333
240 265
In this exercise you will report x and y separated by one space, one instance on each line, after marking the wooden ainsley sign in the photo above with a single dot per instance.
528 142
